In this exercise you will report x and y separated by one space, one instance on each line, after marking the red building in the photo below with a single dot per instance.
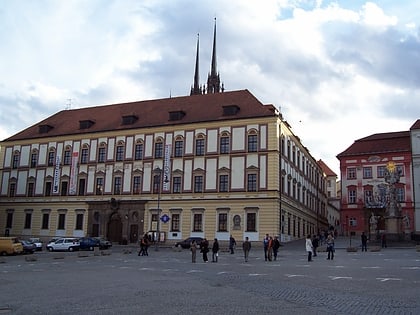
365 190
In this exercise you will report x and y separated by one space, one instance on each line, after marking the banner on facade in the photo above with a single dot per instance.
73 173
167 168
56 174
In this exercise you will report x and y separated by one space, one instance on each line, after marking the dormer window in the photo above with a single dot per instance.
86 124
45 128
129 119
230 110
177 115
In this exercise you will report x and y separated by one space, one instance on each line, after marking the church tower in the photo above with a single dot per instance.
213 79
196 89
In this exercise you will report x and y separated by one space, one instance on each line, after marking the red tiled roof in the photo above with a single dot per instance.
150 113
326 169
416 125
379 143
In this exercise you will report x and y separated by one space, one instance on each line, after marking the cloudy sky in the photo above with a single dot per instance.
337 70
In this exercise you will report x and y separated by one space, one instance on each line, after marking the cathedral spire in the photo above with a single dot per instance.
213 79
195 89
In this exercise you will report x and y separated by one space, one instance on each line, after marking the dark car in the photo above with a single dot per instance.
88 243
28 247
103 243
187 242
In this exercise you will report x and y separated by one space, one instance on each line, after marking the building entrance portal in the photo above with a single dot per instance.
115 228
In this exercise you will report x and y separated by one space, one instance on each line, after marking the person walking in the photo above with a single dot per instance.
232 244
364 241
215 250
205 249
144 244
246 246
330 247
276 246
315 244
193 251
309 247
265 244
270 249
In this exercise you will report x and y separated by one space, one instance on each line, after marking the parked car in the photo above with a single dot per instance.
38 243
187 242
28 247
64 244
88 243
10 246
104 243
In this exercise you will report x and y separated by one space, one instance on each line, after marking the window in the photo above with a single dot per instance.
251 222
198 183
61 221
352 196
51 158
199 147
136 184
400 170
117 185
368 196
67 157
223 183
31 189
224 145
158 150
64 186
34 159
367 172
252 143
84 158
197 222
12 189
15 163
138 151
45 221
28 220
82 186
351 173
289 226
282 223
9 220
175 222
179 148
119 156
400 194
352 222
101 154
48 188
222 222
381 171
252 182
79 221
176 184
99 186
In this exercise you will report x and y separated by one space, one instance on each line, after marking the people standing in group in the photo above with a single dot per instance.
309 247
232 244
204 249
144 245
315 244
215 251
193 249
364 241
330 247
246 246
265 244
276 246
270 249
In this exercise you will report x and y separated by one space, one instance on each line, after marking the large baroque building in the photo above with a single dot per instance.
212 164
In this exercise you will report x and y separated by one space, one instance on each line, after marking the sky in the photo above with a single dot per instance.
337 70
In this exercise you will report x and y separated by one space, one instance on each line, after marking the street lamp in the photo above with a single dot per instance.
158 172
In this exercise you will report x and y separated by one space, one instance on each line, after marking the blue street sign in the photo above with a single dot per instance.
165 218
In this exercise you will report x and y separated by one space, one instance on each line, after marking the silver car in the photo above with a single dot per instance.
64 244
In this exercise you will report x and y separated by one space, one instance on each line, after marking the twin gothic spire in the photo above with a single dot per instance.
213 78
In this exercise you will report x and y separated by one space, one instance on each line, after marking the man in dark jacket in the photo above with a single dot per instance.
315 244
215 250
246 246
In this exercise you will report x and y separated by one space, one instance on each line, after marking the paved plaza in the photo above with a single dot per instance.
166 282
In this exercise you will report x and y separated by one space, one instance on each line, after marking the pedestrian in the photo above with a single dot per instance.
204 249
215 251
364 242
193 251
265 244
144 244
330 247
270 249
246 246
383 240
315 244
309 247
232 244
276 246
